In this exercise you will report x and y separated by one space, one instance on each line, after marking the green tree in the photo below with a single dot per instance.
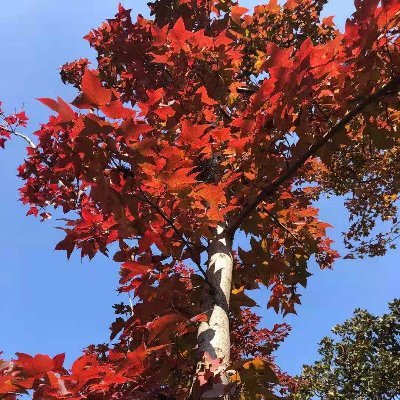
362 361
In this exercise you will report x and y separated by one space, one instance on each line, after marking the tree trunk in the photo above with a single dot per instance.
214 335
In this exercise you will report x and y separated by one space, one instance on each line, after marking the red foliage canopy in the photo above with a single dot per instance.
208 116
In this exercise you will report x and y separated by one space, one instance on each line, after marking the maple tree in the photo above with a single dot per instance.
202 122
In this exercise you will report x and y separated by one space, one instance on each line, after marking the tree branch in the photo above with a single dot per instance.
169 221
26 138
391 86
188 244
275 220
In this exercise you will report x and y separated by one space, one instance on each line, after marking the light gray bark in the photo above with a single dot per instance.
213 335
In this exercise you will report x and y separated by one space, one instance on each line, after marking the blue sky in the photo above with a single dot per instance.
51 305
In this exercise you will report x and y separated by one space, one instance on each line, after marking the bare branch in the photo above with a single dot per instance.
247 90
390 87
131 304
26 138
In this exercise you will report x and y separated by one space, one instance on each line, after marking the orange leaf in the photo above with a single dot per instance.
116 110
237 12
93 90
36 366
135 268
59 106
161 324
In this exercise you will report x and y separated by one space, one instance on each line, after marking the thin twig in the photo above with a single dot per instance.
26 138
130 303
246 89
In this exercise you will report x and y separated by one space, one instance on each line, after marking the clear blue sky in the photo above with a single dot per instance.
51 305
